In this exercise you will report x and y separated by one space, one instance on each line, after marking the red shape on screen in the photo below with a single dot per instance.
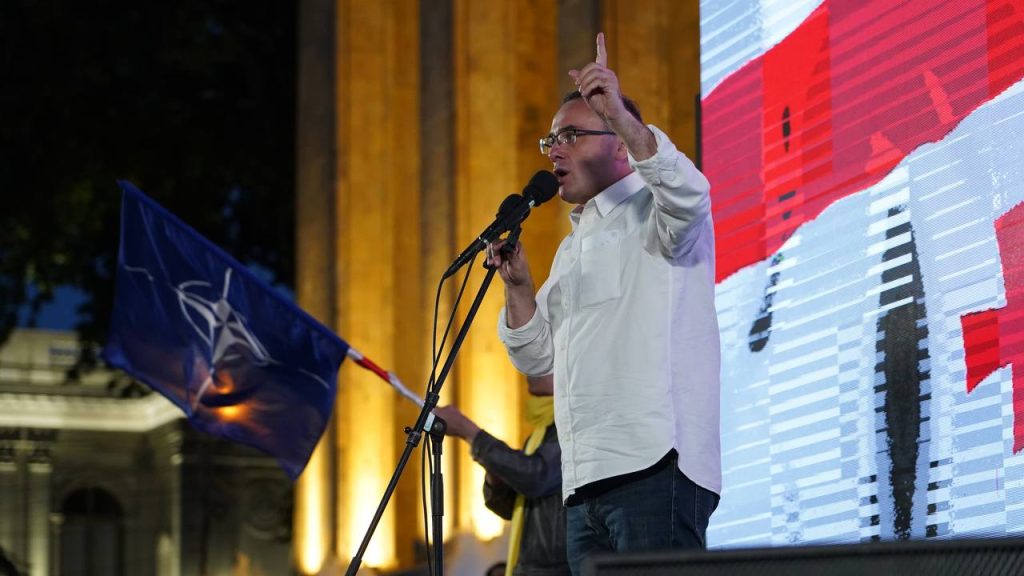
994 338
838 103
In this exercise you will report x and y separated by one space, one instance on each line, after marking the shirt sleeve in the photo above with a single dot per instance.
682 198
530 346
534 475
499 498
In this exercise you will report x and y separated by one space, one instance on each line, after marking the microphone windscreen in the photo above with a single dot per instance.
542 187
510 202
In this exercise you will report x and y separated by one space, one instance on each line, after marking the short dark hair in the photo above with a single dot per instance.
631 106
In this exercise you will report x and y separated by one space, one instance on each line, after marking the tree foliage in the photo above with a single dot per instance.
191 101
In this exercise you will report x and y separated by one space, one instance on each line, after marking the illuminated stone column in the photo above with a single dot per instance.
56 522
11 503
505 94
175 449
654 47
377 192
437 201
315 261
421 234
40 472
313 518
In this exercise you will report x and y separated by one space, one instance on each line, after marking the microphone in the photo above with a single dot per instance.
513 210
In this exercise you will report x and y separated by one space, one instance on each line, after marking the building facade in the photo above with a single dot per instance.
101 477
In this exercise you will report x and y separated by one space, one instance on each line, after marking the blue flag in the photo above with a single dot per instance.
195 325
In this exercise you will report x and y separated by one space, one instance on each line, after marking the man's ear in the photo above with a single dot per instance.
621 152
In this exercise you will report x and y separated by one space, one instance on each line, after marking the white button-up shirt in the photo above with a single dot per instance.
626 321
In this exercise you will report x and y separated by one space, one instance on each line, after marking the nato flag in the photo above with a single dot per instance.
240 360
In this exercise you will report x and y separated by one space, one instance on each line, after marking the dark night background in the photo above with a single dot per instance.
191 101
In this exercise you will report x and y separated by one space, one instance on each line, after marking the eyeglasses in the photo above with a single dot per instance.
567 136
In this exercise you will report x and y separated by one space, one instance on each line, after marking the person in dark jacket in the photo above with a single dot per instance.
523 486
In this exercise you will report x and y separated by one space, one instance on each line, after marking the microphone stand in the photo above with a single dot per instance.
437 430
437 497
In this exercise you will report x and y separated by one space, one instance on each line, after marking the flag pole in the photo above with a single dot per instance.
389 377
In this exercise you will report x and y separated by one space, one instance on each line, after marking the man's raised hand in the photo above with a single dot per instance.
600 86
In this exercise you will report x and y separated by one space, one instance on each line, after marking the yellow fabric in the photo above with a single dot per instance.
540 412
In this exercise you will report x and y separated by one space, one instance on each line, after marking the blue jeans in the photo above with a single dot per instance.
655 509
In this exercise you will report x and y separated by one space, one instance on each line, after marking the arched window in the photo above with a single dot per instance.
92 536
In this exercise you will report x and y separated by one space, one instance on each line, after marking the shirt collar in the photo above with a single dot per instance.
615 194
612 196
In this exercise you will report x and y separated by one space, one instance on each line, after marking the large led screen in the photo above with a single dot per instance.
867 168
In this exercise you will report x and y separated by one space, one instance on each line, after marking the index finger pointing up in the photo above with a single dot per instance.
602 53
